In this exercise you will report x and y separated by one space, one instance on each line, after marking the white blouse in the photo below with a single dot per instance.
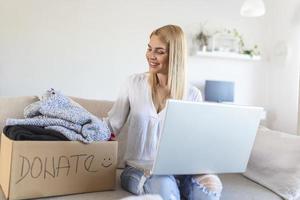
135 110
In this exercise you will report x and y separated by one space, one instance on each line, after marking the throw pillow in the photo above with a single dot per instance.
275 162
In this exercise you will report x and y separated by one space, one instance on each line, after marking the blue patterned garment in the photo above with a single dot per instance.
57 112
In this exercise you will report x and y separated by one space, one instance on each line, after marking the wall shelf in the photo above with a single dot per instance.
229 55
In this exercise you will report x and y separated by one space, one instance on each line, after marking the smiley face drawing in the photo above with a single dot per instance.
107 162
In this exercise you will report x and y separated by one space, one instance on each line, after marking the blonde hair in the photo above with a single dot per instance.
174 37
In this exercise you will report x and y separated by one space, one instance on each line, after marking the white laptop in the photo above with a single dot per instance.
200 137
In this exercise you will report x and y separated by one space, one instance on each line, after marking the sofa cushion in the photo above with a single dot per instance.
275 162
236 187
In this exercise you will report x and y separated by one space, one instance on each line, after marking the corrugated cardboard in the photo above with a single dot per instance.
31 169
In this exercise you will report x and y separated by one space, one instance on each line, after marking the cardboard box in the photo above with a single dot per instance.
31 169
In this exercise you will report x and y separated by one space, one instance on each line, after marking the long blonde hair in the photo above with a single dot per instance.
174 37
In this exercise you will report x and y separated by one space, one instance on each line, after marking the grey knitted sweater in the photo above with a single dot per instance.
57 112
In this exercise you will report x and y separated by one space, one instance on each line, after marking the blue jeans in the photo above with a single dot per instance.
168 187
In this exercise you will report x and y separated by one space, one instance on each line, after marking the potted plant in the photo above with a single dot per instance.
202 39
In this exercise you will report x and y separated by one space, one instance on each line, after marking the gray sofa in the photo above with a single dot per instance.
236 186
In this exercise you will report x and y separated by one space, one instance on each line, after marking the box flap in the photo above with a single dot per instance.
5 164
50 168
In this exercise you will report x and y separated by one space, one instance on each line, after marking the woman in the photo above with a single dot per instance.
141 105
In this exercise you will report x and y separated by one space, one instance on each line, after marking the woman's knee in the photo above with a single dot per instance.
134 181
131 179
211 183
165 186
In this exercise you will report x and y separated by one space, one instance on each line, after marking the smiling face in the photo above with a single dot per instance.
107 162
157 56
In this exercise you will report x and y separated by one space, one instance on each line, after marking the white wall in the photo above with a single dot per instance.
283 42
87 48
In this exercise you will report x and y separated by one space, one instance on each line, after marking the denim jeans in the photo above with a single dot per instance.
168 187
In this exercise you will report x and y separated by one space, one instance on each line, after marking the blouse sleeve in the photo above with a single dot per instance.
198 96
118 114
195 94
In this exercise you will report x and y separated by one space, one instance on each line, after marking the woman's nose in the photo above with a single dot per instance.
152 55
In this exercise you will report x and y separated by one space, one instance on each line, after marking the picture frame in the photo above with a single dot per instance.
223 42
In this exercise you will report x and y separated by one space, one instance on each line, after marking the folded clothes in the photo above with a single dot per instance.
29 132
57 112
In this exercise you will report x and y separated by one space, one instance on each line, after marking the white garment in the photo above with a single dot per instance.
135 109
